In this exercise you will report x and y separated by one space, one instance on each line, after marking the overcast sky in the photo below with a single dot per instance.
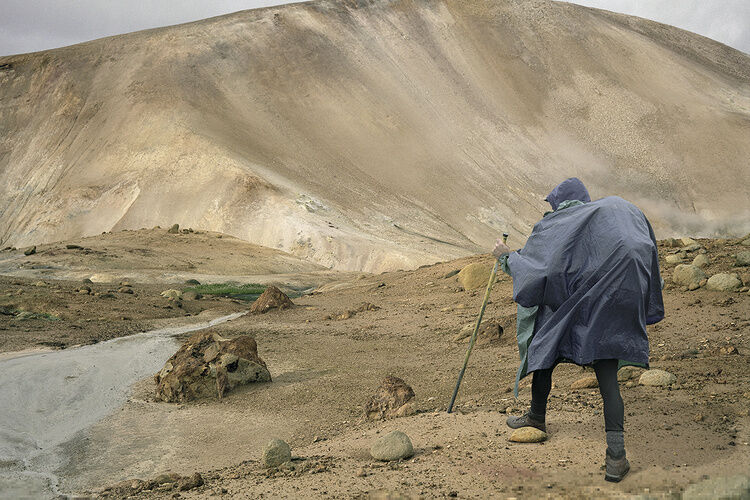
31 25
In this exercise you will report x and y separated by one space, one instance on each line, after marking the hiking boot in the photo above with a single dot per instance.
526 420
616 468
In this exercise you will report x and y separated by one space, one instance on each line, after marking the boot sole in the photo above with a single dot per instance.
616 479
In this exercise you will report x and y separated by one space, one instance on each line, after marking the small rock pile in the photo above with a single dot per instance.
208 365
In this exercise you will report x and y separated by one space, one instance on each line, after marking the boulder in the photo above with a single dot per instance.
627 372
175 229
657 378
721 488
587 382
393 446
687 274
528 435
276 453
474 276
271 298
208 365
743 258
394 398
724 282
701 260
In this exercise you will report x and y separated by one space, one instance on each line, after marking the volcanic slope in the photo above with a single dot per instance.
373 135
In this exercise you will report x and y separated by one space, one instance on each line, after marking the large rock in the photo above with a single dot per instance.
208 365
393 446
722 488
394 398
271 298
687 274
724 282
657 378
701 260
743 258
528 435
276 453
474 276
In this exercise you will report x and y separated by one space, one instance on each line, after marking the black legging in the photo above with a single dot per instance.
606 375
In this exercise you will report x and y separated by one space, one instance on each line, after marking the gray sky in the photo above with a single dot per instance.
31 25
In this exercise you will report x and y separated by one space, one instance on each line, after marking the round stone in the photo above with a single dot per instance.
393 446
528 435
276 453
657 378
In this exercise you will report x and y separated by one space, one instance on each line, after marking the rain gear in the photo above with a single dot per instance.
587 283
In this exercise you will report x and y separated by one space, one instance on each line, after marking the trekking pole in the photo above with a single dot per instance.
476 329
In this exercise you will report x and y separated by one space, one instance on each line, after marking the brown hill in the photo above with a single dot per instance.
373 135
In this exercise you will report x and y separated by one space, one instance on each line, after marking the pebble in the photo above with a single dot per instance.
393 446
723 487
528 435
276 453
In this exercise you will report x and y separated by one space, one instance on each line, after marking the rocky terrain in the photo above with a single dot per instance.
330 352
373 135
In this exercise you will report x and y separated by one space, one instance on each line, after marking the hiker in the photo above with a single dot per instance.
586 283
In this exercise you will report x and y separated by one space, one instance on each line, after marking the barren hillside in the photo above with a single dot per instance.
373 135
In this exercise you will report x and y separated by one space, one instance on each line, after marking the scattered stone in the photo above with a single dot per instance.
393 446
686 242
451 274
192 282
86 280
30 251
172 294
276 453
693 286
745 242
729 350
74 247
125 289
722 488
671 242
657 378
489 332
175 229
394 398
686 274
187 483
271 298
724 282
701 260
191 295
627 372
24 315
474 276
673 259
84 290
586 382
528 435
162 479
743 258
208 365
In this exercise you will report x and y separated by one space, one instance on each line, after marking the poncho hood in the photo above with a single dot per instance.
569 189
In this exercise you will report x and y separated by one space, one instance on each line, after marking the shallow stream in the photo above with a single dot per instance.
47 398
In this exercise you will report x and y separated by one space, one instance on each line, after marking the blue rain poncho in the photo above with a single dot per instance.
587 283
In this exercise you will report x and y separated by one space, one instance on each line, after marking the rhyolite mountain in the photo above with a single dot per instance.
374 135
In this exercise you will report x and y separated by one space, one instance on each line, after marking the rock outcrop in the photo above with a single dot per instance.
208 365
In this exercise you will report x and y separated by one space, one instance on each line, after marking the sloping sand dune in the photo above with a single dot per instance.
373 135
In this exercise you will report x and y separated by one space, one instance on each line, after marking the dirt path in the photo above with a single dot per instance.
324 370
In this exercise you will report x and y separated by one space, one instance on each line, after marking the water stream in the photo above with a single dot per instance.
47 398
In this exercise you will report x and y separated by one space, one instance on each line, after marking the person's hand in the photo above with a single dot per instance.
500 248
